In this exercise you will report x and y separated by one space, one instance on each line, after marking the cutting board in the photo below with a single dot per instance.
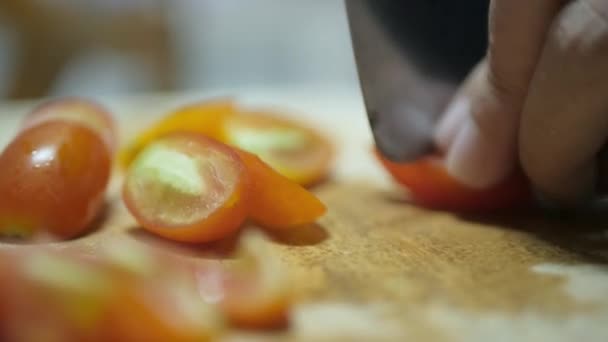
377 268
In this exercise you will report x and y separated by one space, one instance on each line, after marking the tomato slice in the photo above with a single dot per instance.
205 117
277 202
294 150
431 186
255 293
53 178
69 296
78 110
188 188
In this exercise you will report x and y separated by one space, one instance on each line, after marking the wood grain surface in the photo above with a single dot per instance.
376 268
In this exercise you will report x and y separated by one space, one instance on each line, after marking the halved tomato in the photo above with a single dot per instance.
72 296
53 178
187 187
255 293
205 118
78 110
432 186
294 150
276 202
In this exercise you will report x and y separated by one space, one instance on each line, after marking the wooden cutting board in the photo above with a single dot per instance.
376 268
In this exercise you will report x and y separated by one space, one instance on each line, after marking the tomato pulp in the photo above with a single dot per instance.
188 188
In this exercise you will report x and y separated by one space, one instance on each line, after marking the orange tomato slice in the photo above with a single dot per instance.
277 202
188 188
205 117
77 110
431 186
291 148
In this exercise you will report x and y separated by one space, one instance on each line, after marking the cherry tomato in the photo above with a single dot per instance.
188 188
291 148
431 186
53 178
205 118
277 202
76 297
78 110
255 292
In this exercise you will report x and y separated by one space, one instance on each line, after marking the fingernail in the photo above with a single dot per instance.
451 122
479 159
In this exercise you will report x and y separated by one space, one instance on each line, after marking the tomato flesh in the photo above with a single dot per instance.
431 186
77 110
291 148
187 187
277 202
53 178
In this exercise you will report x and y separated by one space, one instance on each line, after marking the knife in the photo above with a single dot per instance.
411 55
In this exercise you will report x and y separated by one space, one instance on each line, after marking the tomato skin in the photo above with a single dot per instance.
53 178
307 164
277 202
223 221
206 118
431 186
76 110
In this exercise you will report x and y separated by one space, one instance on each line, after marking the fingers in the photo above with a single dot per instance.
482 150
564 123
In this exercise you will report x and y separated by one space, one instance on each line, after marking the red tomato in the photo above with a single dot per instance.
77 110
291 148
431 186
255 292
69 296
277 202
53 178
187 187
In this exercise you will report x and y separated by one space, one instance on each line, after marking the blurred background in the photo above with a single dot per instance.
107 47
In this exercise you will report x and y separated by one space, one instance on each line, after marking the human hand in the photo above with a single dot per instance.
539 98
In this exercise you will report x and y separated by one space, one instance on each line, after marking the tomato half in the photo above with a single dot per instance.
254 292
71 296
78 110
277 202
187 187
430 185
294 150
53 178
205 117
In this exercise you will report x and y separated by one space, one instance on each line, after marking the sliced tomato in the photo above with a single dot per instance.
68 296
188 188
53 178
205 117
430 185
78 110
255 293
277 202
294 150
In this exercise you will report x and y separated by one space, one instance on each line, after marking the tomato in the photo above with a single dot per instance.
204 117
277 202
294 150
430 185
188 188
70 296
53 178
255 293
77 110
